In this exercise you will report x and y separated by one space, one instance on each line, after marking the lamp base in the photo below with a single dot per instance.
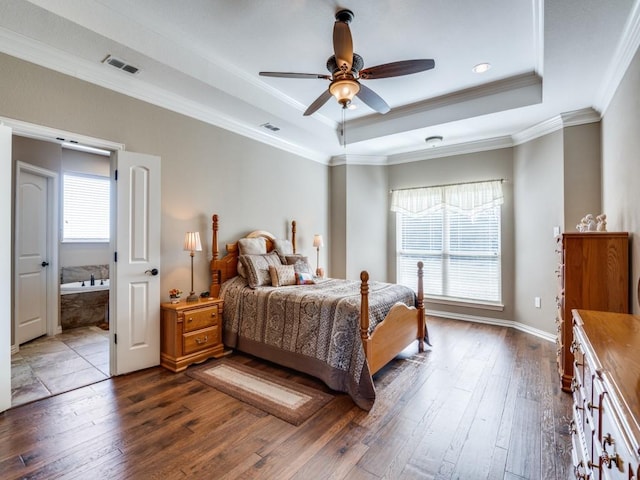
320 272
192 298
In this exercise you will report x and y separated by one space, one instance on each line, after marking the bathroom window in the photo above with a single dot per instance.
86 208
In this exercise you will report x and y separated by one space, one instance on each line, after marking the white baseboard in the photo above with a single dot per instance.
495 321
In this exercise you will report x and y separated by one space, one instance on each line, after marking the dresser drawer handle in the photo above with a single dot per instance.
614 457
202 341
190 319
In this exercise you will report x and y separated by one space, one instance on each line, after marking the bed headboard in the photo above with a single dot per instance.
226 267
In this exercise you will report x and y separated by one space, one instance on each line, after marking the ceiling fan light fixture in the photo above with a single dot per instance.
433 141
481 67
344 91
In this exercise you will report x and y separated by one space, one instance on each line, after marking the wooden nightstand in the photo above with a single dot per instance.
190 333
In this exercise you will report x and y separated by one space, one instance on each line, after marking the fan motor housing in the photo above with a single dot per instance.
356 65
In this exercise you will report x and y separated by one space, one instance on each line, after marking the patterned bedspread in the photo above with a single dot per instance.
310 328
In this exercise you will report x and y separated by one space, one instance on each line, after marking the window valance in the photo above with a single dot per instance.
469 198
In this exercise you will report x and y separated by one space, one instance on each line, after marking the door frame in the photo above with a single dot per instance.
53 200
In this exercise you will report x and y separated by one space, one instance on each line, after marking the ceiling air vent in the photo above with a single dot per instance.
271 127
120 65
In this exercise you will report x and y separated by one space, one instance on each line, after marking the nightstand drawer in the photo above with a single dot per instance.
201 318
200 340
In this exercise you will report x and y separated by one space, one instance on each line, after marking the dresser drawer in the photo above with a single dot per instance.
614 451
200 318
200 340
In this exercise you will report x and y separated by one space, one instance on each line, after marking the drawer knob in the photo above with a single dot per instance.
190 319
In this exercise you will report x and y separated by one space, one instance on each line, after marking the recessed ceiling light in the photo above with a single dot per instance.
481 67
433 141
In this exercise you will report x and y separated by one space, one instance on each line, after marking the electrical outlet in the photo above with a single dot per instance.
537 302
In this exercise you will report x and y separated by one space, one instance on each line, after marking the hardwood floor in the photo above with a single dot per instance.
483 403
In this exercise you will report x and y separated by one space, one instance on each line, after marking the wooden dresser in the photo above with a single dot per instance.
593 274
190 333
606 395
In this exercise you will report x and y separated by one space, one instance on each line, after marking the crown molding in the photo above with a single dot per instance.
568 119
347 159
451 150
625 51
53 59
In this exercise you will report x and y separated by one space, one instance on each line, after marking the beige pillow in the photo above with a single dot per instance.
283 246
252 246
282 275
257 268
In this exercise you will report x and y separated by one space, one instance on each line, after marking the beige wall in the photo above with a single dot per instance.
582 173
205 169
621 166
539 207
367 204
491 165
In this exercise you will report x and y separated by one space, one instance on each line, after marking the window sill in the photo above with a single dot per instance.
460 302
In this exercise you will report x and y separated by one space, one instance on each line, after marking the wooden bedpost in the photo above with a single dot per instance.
364 312
216 278
422 321
293 235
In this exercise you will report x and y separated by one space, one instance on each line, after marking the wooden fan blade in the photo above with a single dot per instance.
343 45
320 101
396 69
372 99
294 75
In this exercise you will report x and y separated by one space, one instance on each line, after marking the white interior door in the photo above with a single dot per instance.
6 282
32 255
135 295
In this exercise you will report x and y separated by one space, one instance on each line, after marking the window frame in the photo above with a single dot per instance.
445 255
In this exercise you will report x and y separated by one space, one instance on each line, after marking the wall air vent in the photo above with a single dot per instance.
271 127
120 64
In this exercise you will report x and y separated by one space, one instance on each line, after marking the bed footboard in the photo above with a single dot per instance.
401 326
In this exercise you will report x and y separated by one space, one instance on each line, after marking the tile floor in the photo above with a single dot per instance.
50 365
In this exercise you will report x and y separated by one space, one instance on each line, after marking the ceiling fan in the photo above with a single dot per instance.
346 71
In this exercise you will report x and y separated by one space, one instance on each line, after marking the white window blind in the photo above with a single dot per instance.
86 208
458 243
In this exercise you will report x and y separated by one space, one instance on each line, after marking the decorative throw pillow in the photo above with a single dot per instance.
257 268
283 247
304 279
300 262
282 275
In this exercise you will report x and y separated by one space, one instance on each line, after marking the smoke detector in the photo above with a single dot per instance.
433 141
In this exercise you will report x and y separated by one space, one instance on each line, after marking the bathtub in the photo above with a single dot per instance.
76 287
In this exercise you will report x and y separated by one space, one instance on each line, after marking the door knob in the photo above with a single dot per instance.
153 271
45 264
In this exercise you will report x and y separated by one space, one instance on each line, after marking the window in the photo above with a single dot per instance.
457 240
85 208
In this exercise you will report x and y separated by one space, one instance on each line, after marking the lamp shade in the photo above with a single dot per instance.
344 90
317 241
192 242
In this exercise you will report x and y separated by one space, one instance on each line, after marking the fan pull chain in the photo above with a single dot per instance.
344 130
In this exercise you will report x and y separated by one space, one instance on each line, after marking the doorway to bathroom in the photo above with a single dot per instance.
62 257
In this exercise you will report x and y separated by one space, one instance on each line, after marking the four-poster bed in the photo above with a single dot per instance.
337 330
